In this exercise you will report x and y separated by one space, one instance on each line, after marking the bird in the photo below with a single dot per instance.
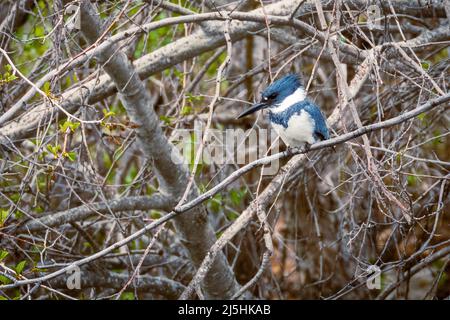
297 120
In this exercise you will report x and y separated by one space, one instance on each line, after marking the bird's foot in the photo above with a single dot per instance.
307 147
292 150
296 150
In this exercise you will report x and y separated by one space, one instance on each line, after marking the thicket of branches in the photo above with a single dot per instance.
91 179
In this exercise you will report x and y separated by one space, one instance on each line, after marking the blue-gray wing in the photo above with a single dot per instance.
321 129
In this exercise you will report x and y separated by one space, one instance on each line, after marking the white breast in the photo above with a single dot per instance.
300 129
297 96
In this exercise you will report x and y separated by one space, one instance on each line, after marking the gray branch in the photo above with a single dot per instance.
153 285
157 202
173 176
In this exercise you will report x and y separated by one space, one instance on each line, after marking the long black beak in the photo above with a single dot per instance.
253 108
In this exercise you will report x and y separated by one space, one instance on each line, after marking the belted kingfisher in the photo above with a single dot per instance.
297 120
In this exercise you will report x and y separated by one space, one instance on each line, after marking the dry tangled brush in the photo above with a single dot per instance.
93 205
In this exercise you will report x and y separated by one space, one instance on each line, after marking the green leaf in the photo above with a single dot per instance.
3 216
87 244
167 120
219 234
422 117
4 280
412 180
39 209
54 149
20 266
178 73
69 125
425 65
18 214
237 196
39 31
7 76
3 254
11 77
127 296
131 174
41 4
107 114
191 98
232 216
186 110
72 156
15 197
46 88
154 214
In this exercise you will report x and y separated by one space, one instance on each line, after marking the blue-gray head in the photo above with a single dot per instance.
287 88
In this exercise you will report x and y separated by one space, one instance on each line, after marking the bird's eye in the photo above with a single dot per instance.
273 96
264 98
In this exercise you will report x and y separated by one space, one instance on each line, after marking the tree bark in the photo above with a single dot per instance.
173 176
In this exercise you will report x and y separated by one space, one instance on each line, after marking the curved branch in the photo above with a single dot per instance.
143 283
156 201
